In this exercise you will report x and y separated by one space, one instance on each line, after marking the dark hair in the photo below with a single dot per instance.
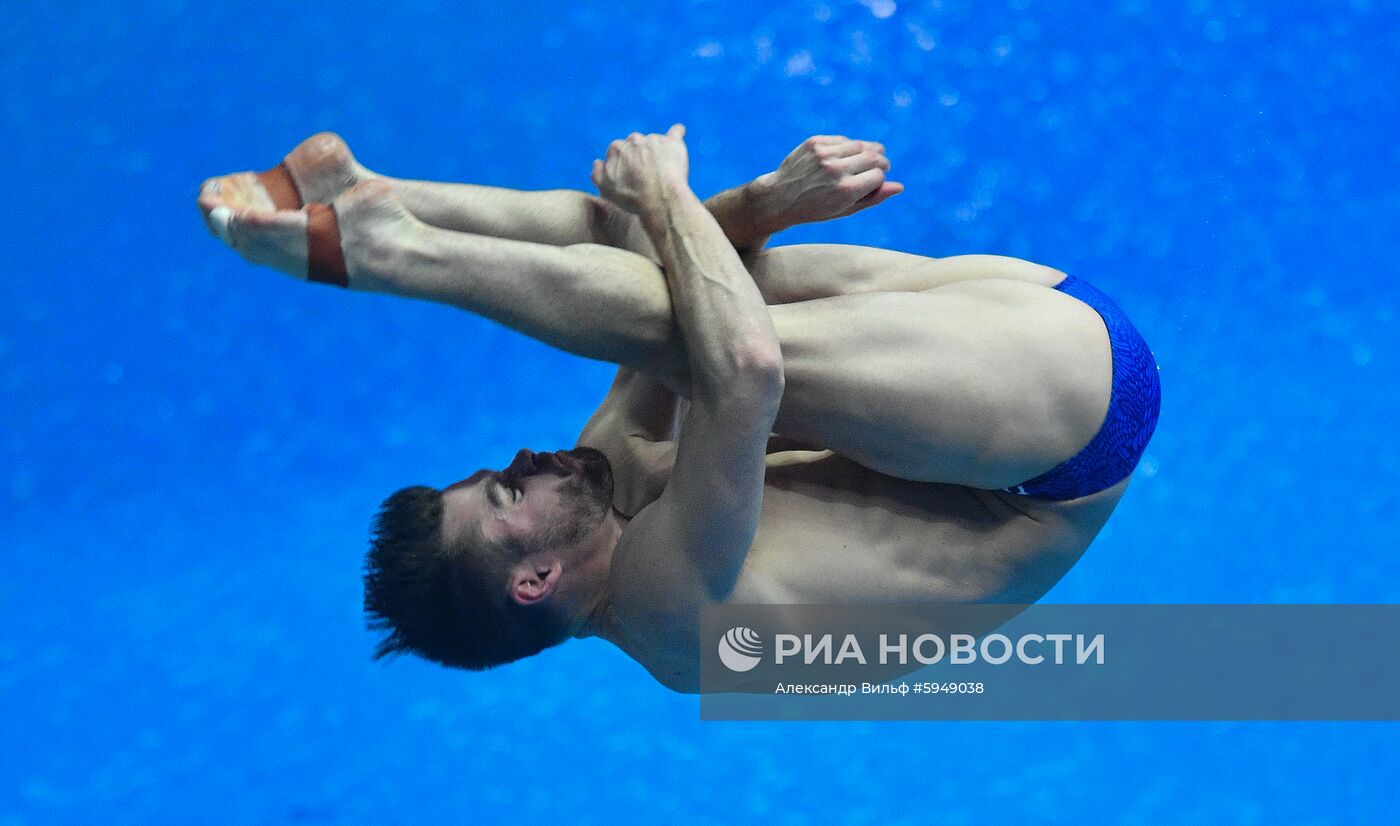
447 604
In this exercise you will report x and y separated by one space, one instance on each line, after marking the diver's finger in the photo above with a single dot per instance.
856 164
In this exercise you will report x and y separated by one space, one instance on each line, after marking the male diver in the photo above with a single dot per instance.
802 424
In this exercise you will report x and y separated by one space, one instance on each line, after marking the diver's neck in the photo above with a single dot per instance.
595 615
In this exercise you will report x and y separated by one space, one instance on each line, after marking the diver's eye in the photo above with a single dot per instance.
510 494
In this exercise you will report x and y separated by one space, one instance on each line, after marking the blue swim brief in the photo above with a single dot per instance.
1133 406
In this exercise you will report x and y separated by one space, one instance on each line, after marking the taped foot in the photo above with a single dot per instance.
325 243
317 171
325 260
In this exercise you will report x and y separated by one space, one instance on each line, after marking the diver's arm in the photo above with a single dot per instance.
825 177
711 503
745 216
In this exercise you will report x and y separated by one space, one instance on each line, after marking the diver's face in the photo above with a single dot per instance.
541 501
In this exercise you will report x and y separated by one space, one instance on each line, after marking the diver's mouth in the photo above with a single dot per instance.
560 464
529 463
581 462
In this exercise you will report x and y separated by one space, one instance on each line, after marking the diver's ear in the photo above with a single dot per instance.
535 579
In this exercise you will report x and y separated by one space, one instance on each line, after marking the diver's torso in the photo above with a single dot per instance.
833 531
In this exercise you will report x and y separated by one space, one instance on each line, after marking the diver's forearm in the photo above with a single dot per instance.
741 215
728 334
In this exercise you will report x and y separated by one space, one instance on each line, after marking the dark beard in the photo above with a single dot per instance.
597 471
590 493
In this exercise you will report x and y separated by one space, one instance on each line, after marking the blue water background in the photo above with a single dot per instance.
190 448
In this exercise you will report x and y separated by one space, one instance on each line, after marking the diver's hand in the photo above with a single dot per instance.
826 177
639 170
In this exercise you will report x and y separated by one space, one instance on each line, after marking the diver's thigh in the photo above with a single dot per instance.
804 272
984 383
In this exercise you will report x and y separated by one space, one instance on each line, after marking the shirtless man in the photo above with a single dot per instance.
807 424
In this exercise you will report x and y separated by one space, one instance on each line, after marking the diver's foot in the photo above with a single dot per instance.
256 230
322 167
375 228
315 172
349 244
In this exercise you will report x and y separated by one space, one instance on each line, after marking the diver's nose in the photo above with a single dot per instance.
523 464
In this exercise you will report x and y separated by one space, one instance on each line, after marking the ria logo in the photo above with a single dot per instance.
740 648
